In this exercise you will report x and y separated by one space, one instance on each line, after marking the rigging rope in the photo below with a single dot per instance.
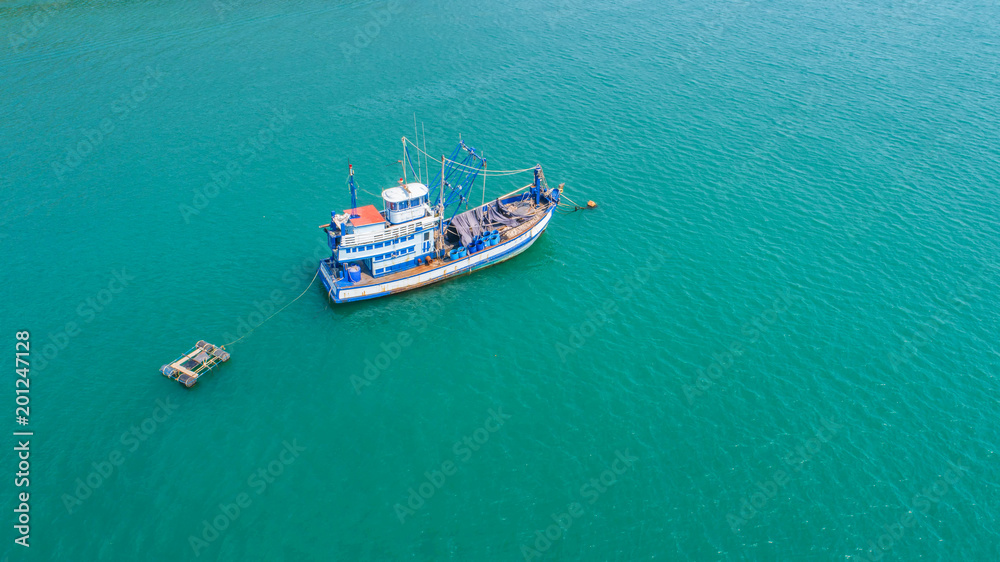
358 187
459 164
275 314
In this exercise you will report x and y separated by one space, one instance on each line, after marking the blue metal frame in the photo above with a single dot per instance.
459 175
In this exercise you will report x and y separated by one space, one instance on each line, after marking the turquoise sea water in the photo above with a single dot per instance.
785 308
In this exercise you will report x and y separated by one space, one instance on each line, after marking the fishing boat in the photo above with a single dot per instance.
414 241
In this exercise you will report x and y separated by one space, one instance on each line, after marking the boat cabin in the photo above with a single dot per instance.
406 202
367 241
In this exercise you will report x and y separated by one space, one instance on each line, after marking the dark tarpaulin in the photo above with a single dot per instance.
468 223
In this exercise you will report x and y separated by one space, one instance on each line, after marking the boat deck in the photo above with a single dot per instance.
505 234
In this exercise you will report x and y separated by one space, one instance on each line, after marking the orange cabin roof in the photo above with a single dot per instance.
368 215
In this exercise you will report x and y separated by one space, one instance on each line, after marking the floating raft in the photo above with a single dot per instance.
199 360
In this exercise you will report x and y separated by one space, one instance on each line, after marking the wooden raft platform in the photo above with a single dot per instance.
198 360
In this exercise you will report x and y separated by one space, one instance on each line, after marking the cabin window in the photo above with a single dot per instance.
403 205
392 206
427 236
415 202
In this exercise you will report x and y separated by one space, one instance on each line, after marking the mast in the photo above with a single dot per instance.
426 169
538 184
441 204
354 192
482 215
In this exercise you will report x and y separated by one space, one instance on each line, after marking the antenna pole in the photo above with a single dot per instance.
404 160
416 136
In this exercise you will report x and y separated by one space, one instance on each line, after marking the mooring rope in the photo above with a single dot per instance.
563 195
575 206
276 313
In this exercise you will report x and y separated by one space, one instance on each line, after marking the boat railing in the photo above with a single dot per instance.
387 234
